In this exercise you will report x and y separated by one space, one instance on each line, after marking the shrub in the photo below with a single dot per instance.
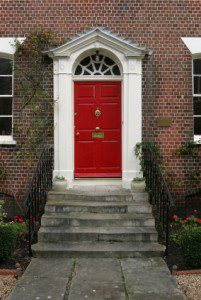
190 243
10 234
8 240
188 237
21 229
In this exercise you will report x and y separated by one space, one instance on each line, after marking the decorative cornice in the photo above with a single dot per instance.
99 36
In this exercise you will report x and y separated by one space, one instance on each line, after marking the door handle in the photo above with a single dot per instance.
77 133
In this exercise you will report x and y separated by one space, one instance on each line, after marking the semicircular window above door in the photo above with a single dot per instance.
97 64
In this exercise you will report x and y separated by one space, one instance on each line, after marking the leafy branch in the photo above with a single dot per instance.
189 148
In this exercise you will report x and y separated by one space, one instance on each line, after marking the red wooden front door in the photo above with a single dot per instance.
97 129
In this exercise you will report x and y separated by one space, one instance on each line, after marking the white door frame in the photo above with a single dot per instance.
129 58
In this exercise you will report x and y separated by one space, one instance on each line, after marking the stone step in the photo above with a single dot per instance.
96 234
100 195
63 196
98 249
97 219
97 207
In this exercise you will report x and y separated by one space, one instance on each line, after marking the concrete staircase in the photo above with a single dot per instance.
98 222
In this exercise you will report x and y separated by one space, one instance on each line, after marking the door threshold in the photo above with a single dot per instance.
97 178
97 181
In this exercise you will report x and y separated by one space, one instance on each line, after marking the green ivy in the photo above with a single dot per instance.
194 175
190 148
173 179
3 176
148 145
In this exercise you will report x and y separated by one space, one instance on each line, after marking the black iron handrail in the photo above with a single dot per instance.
35 198
159 194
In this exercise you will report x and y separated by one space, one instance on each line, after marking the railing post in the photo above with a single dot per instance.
36 196
29 237
167 231
160 196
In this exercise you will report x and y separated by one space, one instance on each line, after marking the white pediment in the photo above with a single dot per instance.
194 45
7 46
99 37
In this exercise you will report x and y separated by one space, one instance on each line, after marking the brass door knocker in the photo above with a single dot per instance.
97 112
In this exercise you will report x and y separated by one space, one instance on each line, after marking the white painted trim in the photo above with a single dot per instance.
7 140
7 48
103 182
65 59
95 78
97 35
194 45
197 139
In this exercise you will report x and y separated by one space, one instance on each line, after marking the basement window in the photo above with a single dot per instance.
197 98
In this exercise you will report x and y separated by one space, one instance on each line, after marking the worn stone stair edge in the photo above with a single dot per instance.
101 246
103 230
128 197
98 216
76 201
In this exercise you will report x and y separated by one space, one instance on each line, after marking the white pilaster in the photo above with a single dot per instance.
132 120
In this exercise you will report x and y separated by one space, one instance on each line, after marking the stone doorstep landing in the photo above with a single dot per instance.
96 279
97 222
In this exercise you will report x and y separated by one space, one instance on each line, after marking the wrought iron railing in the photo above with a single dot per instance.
36 196
159 194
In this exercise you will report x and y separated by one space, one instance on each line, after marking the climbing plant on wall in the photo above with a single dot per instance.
3 176
33 94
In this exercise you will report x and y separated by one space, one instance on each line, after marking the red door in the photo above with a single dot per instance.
97 129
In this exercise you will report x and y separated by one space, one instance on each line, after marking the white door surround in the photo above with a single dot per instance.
129 57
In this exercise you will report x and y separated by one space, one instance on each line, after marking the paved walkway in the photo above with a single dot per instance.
96 279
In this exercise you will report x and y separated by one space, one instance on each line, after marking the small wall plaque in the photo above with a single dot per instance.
164 121
99 135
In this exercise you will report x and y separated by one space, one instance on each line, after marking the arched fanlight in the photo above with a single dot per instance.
97 64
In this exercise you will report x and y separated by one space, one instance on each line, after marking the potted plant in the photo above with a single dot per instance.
138 185
59 184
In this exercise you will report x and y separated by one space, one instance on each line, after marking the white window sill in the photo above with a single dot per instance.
7 140
197 139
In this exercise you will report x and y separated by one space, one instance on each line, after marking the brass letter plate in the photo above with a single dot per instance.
99 135
164 121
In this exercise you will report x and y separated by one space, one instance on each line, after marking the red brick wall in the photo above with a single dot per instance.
156 24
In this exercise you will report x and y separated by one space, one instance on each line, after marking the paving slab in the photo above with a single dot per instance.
43 279
149 279
97 279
